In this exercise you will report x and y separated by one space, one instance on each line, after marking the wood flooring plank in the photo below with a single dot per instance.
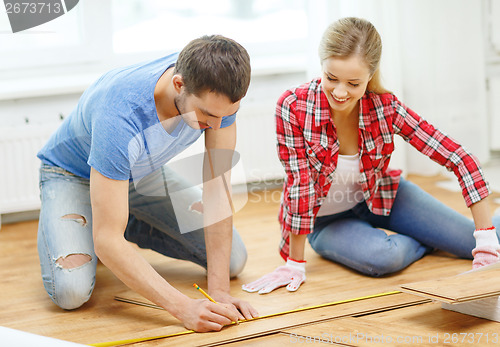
353 331
469 286
425 324
274 340
260 327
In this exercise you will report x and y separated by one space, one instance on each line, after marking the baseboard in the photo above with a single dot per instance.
15 217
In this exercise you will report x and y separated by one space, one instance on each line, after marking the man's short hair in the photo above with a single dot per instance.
215 64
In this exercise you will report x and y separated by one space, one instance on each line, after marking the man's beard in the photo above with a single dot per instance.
188 117
176 102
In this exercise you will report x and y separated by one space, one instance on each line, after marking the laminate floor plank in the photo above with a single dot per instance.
265 326
425 325
461 288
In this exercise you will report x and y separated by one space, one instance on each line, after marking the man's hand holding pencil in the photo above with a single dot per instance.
203 315
212 315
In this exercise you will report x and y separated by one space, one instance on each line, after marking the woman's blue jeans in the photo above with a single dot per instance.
65 228
422 223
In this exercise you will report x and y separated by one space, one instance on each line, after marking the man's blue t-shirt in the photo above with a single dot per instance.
115 128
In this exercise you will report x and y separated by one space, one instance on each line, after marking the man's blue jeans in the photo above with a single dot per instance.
421 222
65 228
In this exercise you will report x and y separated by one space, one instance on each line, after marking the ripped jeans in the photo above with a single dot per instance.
65 228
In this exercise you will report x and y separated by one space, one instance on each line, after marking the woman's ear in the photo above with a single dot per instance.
178 83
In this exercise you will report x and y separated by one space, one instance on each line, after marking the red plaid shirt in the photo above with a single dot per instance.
308 149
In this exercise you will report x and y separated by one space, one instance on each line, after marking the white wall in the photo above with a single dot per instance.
256 126
492 28
442 52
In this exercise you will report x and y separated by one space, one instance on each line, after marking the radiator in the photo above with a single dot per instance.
19 166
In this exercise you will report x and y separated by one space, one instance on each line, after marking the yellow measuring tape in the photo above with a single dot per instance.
142 339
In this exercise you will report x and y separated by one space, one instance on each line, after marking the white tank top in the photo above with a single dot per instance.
345 191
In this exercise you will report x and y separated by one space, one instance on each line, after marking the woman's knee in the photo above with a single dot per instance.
384 264
390 257
375 261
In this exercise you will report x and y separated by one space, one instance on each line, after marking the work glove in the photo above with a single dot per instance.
291 275
487 249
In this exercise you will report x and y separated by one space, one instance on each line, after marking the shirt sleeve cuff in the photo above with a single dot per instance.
299 224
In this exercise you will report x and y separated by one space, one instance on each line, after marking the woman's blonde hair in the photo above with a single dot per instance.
354 36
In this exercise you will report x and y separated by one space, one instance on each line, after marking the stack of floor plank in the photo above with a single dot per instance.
475 292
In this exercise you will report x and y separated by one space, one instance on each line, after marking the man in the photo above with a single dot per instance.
103 182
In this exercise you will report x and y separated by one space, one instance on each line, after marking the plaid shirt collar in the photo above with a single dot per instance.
322 113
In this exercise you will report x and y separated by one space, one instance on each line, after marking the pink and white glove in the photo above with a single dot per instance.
291 275
487 249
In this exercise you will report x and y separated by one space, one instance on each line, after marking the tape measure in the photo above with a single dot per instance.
142 339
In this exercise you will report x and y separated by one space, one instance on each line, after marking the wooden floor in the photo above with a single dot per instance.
393 319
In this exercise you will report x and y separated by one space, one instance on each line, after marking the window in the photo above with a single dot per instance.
61 32
98 34
264 27
70 39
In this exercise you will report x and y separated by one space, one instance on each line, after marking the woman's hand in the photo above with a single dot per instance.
292 275
487 249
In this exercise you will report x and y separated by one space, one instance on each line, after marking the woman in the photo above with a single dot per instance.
335 139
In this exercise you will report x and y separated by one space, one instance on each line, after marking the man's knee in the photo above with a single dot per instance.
238 261
237 265
73 288
238 255
71 298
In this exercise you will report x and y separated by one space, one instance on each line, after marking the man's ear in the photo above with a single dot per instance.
178 83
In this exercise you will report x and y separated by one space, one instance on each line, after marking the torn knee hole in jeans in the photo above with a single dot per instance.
76 218
196 207
73 261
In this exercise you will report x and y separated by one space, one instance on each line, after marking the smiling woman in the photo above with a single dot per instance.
345 82
335 140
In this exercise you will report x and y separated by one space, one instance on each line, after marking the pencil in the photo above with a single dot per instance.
210 298
204 293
